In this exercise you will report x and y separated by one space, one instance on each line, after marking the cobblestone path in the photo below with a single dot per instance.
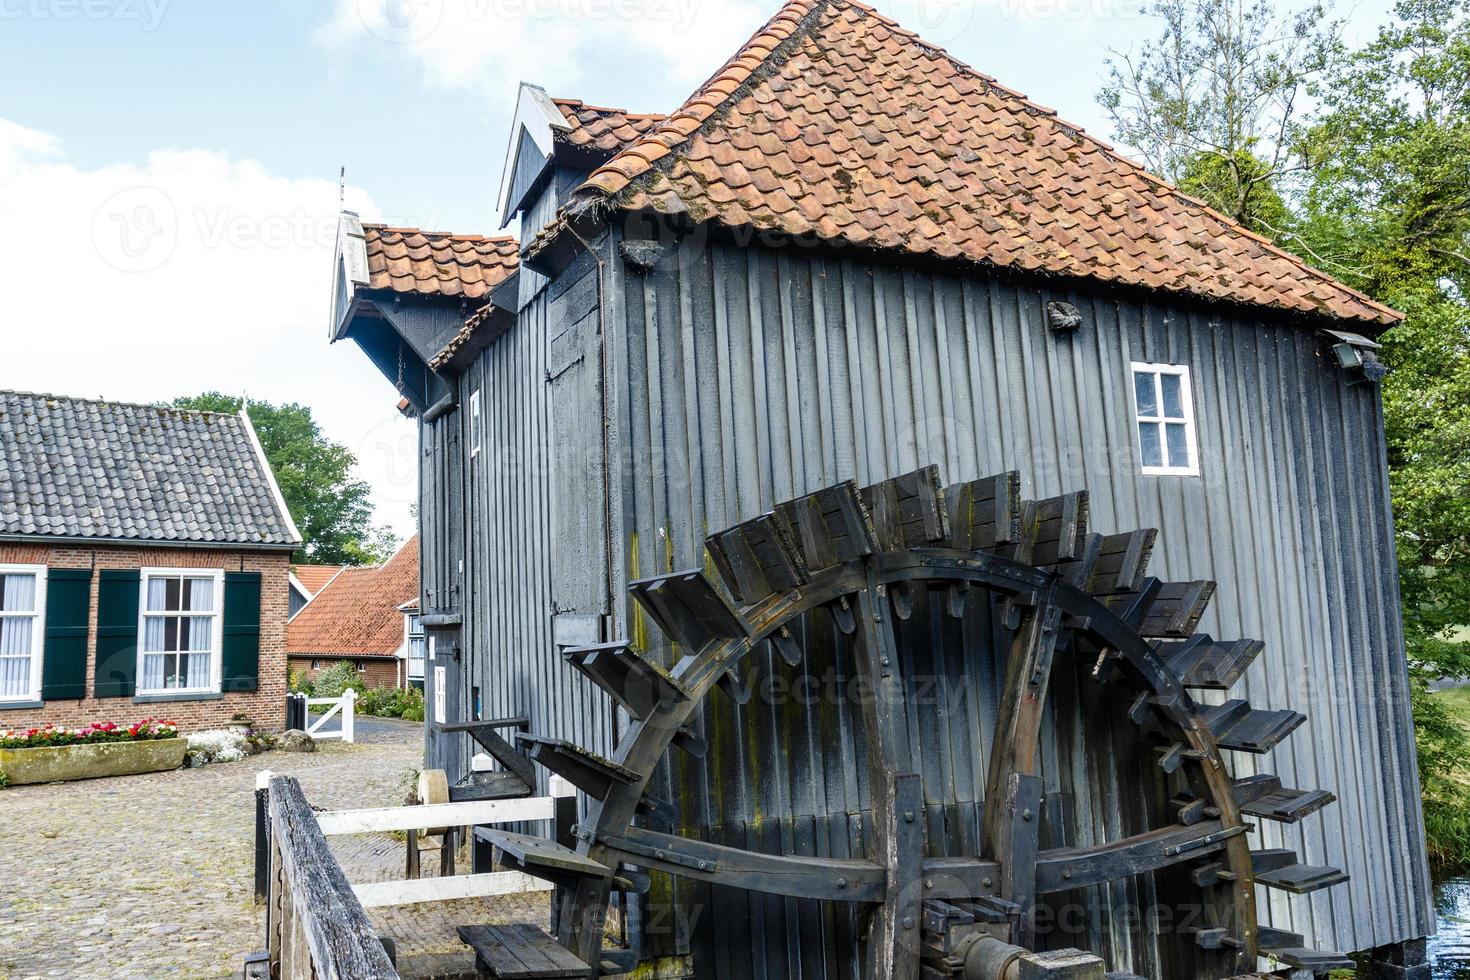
149 877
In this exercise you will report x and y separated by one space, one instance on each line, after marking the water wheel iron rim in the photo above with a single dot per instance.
873 587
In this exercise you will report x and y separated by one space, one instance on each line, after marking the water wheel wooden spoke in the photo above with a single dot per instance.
1066 595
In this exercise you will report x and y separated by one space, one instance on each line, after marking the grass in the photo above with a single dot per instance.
1447 790
1456 701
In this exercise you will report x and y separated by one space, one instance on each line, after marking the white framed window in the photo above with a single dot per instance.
22 632
418 646
475 428
179 630
1163 410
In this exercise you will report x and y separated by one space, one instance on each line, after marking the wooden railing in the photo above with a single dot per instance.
316 928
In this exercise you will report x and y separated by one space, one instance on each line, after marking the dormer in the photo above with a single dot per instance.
411 299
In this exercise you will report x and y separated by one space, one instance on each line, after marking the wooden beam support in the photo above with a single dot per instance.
829 879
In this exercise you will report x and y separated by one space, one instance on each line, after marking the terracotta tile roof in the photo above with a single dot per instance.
313 577
357 612
835 123
603 129
471 324
433 263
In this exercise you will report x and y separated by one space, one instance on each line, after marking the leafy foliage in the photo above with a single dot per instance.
336 679
392 702
1214 102
332 509
1373 187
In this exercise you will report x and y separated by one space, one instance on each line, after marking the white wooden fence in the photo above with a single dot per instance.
344 706
464 814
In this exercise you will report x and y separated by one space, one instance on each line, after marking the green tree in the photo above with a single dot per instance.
1215 101
332 509
1388 209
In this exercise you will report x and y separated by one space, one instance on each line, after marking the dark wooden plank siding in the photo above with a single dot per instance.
753 375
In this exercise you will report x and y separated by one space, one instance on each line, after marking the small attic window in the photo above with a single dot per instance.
1163 410
475 427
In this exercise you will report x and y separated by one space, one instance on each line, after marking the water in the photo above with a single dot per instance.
1449 950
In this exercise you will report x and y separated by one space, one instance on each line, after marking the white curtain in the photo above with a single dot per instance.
153 671
17 595
153 633
157 594
201 594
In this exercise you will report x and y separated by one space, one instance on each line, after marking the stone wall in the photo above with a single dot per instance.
265 705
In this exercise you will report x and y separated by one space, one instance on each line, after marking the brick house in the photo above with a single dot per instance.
368 616
143 566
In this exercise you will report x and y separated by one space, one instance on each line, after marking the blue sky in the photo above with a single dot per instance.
224 124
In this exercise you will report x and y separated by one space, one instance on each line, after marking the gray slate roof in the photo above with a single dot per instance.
75 468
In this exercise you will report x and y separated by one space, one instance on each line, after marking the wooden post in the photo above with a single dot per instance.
262 836
349 702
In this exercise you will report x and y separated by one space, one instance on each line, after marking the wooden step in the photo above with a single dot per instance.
1279 868
590 773
1236 725
1172 610
632 680
521 951
542 858
688 609
1204 663
1287 947
829 527
1264 796
985 514
489 786
757 559
1122 562
1060 531
907 511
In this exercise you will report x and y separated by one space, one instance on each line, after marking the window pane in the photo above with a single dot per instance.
1173 398
15 677
17 593
201 595
1148 441
152 672
157 594
1178 445
194 670
1143 387
198 634
15 636
173 589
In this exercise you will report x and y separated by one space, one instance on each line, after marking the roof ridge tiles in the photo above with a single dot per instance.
115 403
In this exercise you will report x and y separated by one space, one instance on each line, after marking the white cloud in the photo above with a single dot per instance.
187 272
488 45
569 46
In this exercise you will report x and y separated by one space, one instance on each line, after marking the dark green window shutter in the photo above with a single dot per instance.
64 655
242 632
117 632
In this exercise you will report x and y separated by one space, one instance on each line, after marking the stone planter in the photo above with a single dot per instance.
65 762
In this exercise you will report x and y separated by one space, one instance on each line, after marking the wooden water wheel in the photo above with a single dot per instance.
1063 594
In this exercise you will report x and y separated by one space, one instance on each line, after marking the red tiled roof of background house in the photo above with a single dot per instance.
314 577
407 260
357 612
601 128
834 122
